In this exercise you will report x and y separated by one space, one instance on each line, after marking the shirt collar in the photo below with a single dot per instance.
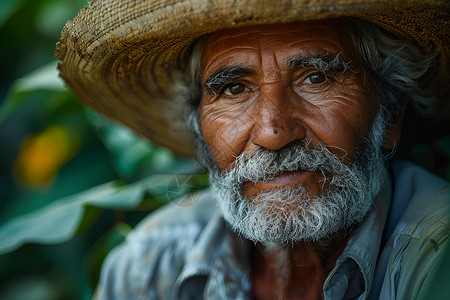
355 268
219 264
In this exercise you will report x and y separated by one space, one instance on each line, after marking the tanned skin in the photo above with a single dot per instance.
300 275
253 98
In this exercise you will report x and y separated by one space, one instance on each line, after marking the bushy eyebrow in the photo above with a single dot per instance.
322 62
224 76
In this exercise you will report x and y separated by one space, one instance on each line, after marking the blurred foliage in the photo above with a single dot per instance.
72 183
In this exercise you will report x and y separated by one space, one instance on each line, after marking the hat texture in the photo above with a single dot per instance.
121 57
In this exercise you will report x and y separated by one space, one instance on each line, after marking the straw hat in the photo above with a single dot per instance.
121 56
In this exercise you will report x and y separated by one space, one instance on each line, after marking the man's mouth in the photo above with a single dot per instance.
287 178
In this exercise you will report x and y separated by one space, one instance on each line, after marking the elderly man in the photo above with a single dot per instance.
295 107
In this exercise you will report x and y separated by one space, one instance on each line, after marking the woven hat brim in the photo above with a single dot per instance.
123 57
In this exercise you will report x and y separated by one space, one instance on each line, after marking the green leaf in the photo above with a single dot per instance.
60 220
48 225
45 78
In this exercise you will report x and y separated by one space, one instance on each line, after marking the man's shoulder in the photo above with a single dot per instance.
159 244
425 197
182 218
422 201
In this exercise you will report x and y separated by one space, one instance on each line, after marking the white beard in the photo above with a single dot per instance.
290 214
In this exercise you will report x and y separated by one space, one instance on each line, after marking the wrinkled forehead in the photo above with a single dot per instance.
318 36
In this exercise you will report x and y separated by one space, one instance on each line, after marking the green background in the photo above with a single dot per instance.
72 184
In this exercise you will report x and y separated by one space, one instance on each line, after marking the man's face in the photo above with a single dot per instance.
269 87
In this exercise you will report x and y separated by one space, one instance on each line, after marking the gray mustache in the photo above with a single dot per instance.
265 164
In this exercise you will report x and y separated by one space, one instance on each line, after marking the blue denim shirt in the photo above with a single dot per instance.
189 252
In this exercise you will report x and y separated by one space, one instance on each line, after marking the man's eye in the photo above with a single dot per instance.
316 78
235 89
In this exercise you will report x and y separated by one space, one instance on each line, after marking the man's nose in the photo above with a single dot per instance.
278 120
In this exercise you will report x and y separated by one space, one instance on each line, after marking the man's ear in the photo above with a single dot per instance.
394 129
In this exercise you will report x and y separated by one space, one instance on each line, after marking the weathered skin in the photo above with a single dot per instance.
336 112
271 105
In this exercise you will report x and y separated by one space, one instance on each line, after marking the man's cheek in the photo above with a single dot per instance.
220 154
226 135
227 143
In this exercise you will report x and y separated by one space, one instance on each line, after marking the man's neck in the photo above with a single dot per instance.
296 272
